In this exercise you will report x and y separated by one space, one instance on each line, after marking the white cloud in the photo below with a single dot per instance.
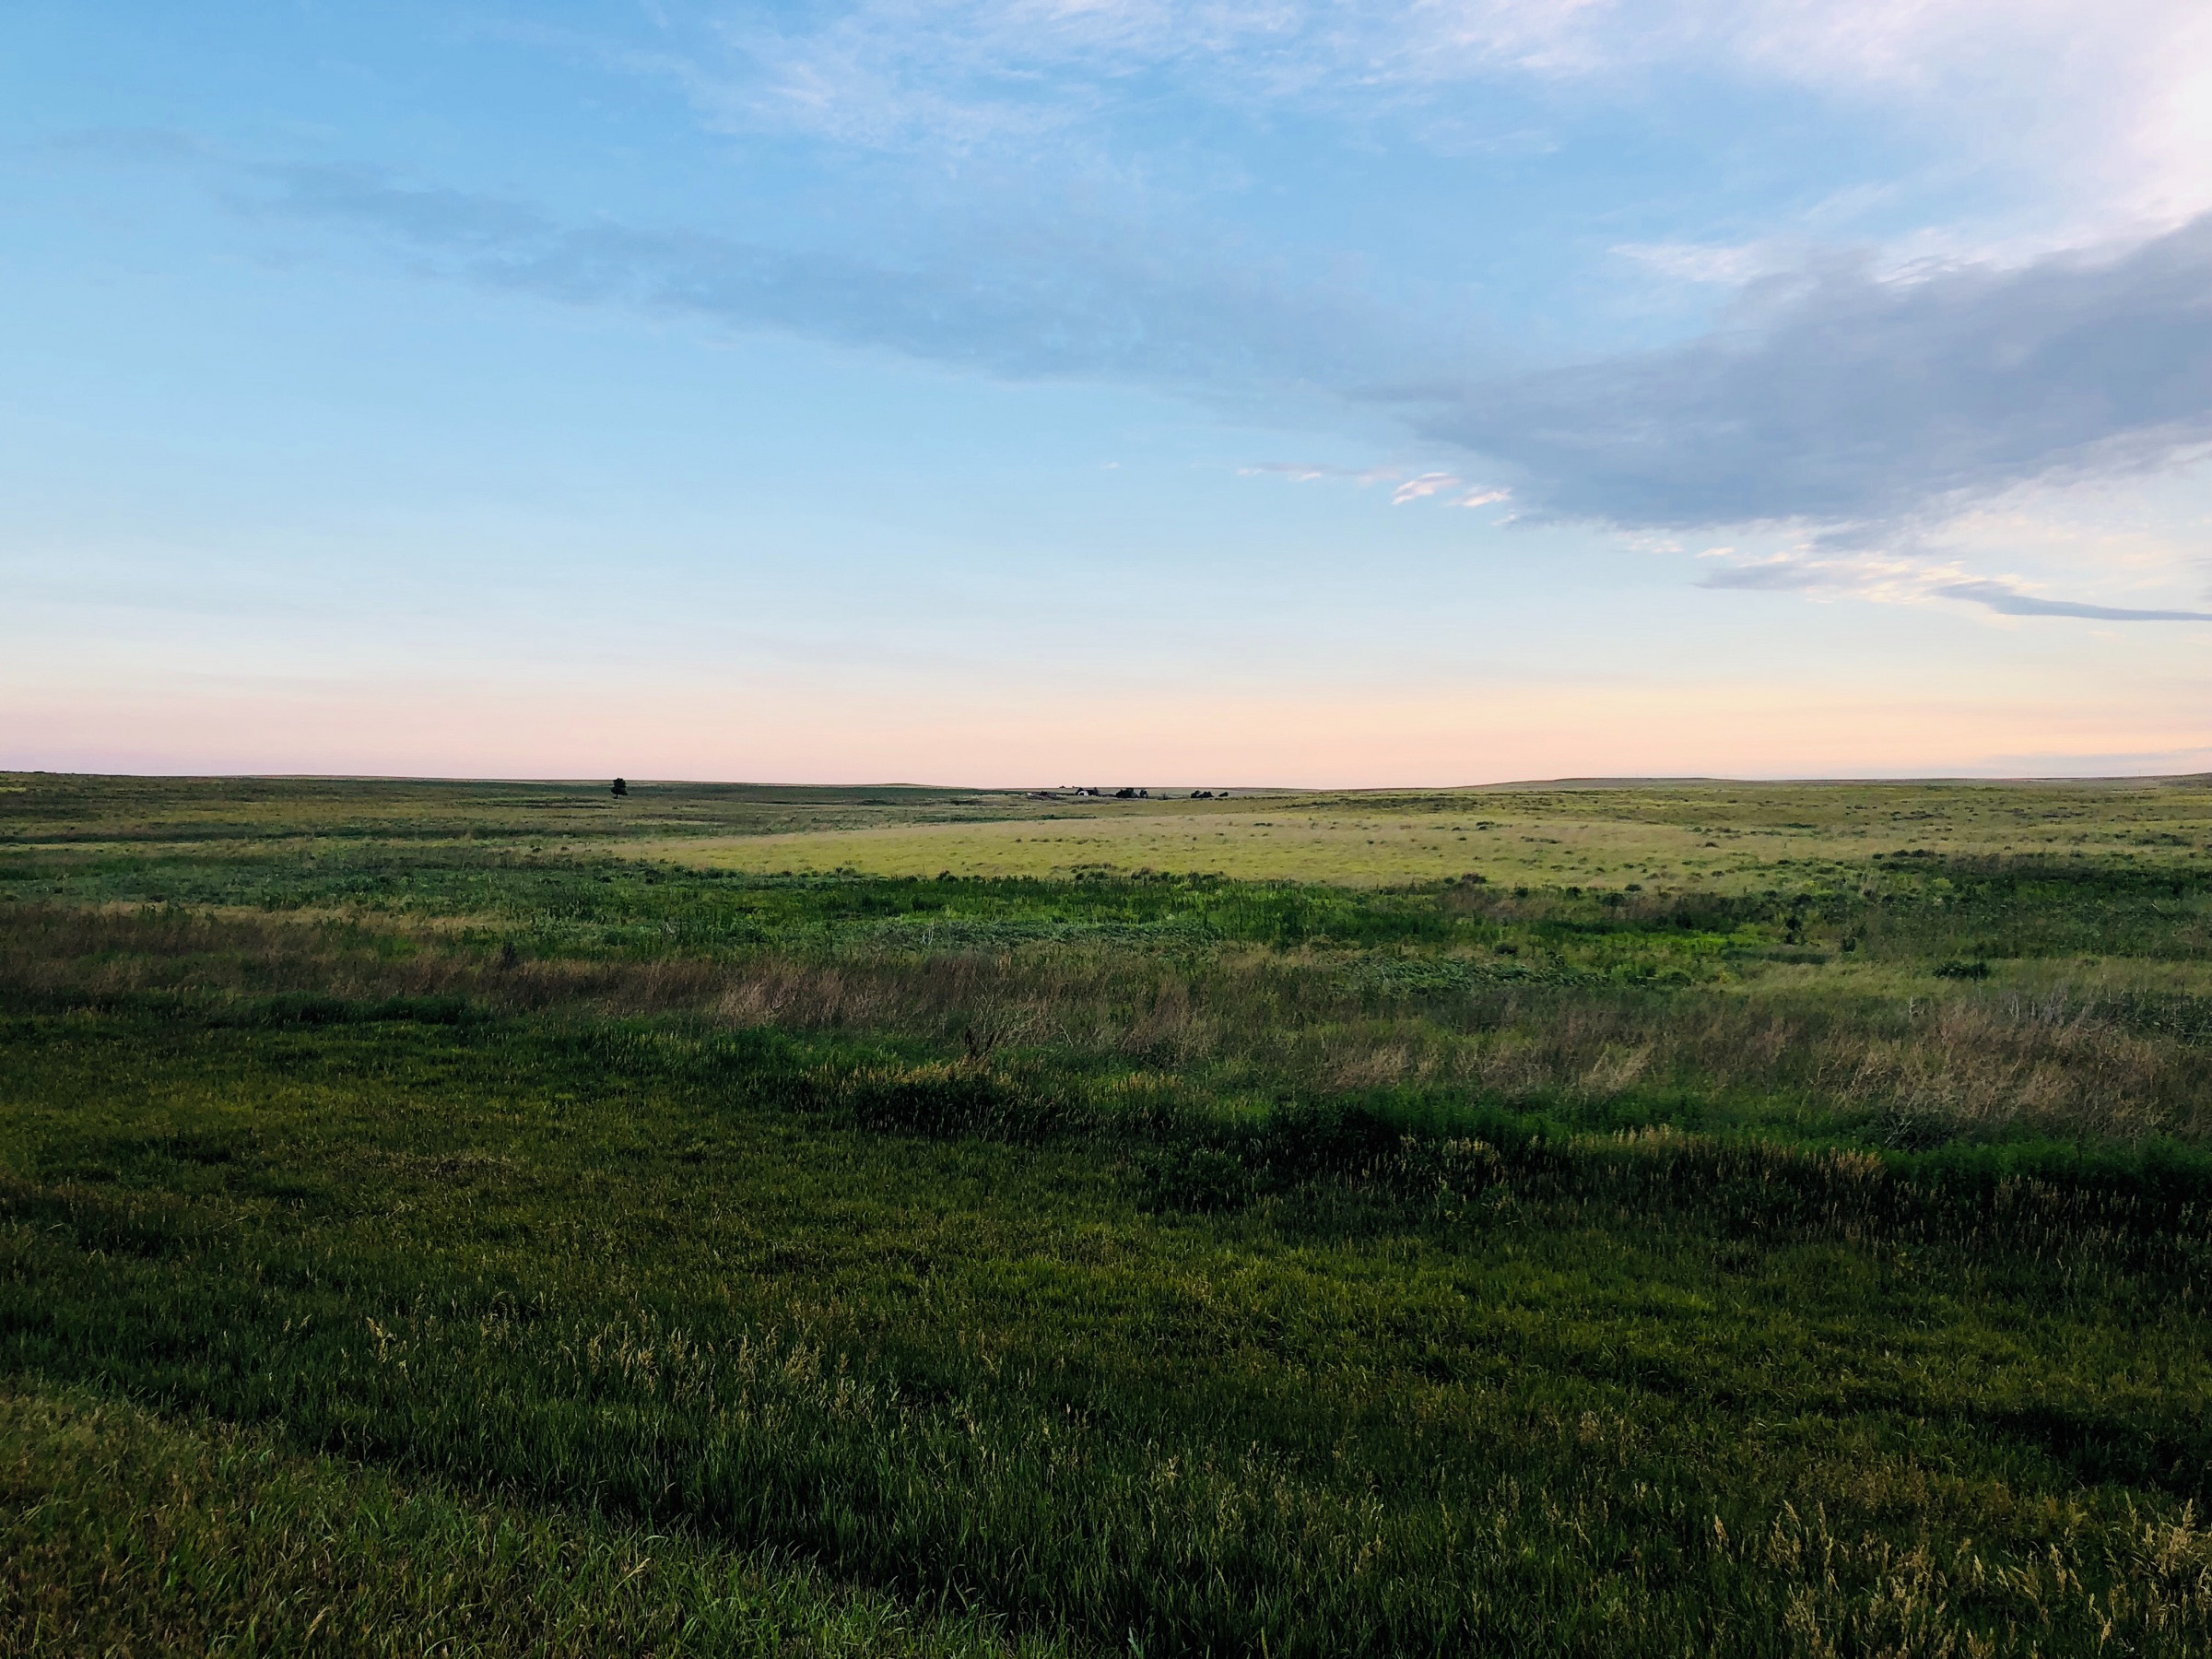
1727 267
1426 484
2110 100
1417 487
1306 472
2103 112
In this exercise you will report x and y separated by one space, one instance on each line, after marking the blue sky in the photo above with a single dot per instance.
1267 392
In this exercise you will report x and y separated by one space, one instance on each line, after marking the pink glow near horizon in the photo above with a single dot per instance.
1494 735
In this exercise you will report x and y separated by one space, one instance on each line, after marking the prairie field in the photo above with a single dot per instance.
1609 1219
1721 837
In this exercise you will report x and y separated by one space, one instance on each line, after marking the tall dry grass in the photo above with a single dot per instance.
1972 1058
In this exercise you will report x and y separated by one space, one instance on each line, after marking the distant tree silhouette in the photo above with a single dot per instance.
621 788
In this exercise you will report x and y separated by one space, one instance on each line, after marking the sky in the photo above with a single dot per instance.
1011 391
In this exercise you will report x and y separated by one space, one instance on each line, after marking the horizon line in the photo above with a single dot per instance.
1584 781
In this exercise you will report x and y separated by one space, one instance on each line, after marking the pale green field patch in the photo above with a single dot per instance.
1721 837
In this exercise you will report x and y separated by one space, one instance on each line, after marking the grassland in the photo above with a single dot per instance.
469 1219
1724 838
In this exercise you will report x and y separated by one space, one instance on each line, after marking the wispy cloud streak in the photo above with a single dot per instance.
1902 581
1027 302
2106 104
2009 601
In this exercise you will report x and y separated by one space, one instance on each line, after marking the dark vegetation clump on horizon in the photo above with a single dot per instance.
434 1226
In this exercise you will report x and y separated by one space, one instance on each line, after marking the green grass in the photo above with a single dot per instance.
403 1239
123 1534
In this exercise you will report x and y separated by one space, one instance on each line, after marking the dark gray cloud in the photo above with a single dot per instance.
1838 398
